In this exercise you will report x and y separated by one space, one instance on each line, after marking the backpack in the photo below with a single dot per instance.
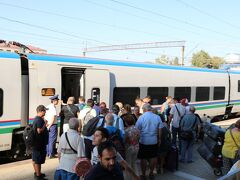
91 126
29 136
87 117
118 142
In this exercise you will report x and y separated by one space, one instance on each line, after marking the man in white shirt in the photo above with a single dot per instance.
51 117
176 114
85 115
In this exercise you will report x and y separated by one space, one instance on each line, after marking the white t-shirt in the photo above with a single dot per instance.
50 113
95 159
84 112
177 116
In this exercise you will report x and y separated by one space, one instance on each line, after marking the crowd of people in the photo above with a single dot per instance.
121 142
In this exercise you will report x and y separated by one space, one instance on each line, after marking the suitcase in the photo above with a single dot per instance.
172 159
215 146
214 131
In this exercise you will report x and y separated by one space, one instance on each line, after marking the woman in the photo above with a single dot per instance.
70 149
231 144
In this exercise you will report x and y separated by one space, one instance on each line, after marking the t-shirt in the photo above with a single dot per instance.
98 172
67 114
177 116
95 159
50 113
41 140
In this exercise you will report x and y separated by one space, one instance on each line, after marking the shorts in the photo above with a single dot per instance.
147 151
39 156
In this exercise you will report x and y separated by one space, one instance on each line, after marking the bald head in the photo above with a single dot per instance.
109 119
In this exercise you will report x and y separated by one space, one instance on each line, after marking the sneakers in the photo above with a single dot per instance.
41 177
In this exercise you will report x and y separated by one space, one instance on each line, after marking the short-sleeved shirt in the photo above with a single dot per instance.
118 123
67 114
132 135
229 147
149 125
68 157
50 113
98 172
177 116
95 159
41 140
190 122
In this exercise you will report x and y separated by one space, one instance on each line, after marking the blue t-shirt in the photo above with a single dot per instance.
41 140
113 130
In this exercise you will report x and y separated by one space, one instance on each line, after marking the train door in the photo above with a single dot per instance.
72 83
97 85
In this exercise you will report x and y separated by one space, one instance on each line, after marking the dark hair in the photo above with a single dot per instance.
127 107
176 99
104 111
115 109
105 145
90 102
103 104
237 124
129 120
103 131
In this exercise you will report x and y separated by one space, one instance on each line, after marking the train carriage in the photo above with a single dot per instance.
28 80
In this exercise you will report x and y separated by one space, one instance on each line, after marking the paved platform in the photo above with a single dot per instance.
23 170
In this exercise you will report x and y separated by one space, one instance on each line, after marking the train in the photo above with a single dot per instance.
28 80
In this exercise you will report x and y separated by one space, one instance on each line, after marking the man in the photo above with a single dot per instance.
108 168
189 123
139 102
150 126
51 117
41 140
85 115
69 155
176 114
118 122
101 135
82 103
69 111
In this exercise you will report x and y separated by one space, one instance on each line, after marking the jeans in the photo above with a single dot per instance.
187 150
175 133
52 138
61 174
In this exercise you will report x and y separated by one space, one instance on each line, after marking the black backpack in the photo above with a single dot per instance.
29 135
118 142
91 126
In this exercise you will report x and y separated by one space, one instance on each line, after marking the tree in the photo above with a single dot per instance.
203 59
163 59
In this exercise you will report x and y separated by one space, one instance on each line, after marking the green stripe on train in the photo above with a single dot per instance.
7 130
213 106
10 129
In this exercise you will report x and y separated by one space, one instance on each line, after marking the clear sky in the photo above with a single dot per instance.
66 27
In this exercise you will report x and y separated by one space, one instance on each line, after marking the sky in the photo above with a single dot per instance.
67 27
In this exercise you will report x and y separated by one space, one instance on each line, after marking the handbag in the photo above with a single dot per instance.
82 165
237 155
187 135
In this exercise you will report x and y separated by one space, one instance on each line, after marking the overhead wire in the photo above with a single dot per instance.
172 18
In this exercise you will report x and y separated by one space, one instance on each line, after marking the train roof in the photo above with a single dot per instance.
108 62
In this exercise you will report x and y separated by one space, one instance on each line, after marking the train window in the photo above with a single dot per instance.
96 95
126 95
1 102
202 93
158 94
238 85
183 92
48 91
219 93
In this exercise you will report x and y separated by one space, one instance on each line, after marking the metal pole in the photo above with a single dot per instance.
183 47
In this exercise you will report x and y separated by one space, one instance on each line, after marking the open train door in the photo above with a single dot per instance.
97 85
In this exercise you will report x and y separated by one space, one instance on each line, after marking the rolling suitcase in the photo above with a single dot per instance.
172 159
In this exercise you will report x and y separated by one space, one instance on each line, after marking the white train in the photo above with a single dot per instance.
27 81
